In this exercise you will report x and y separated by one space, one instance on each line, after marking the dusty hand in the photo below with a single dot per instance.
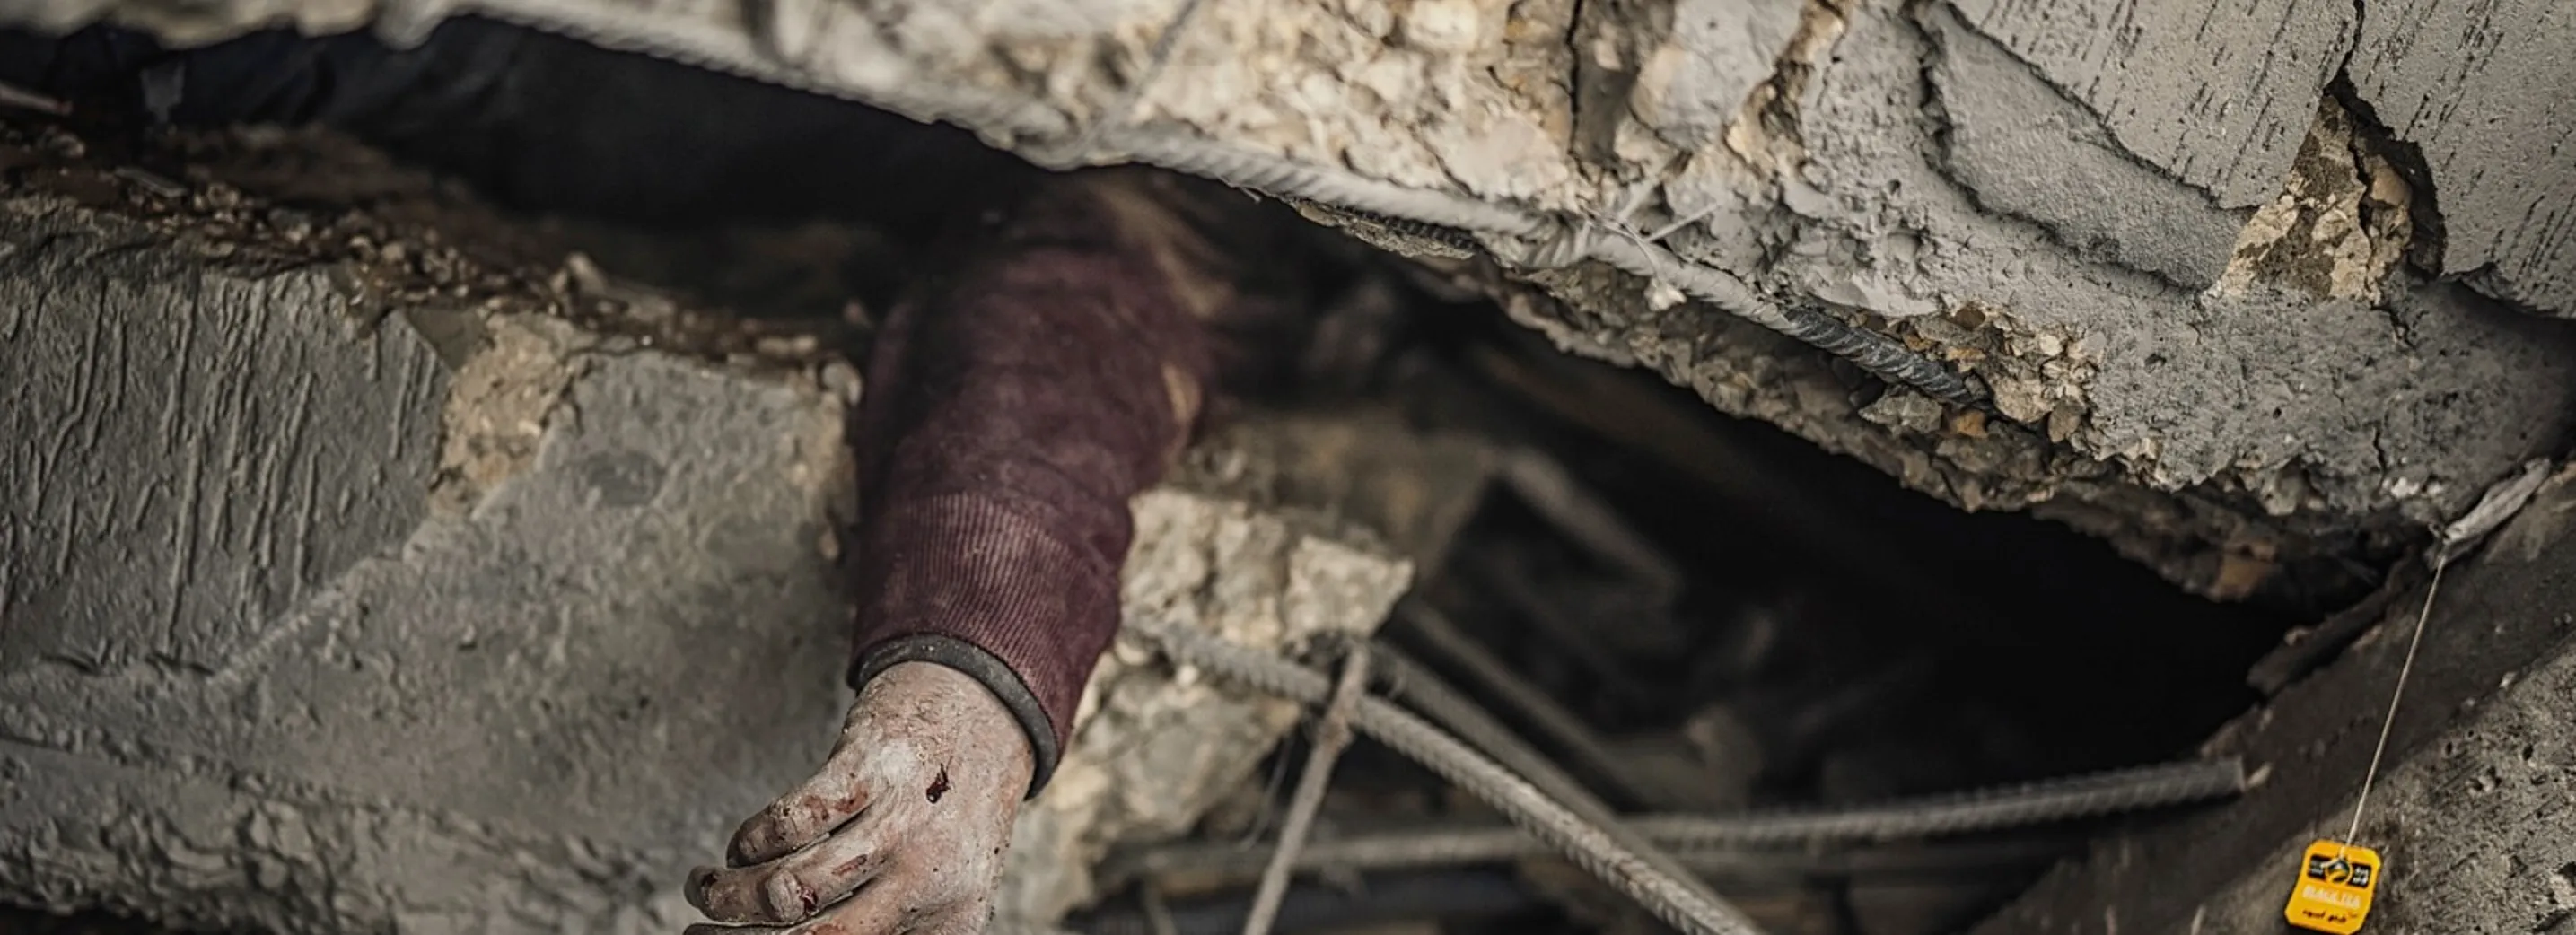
911 814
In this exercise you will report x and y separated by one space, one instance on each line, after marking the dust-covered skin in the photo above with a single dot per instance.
911 814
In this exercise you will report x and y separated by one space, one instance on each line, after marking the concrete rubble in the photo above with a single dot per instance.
2258 289
325 616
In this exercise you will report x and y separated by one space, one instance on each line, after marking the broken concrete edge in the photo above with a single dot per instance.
308 424
513 332
2469 807
1340 509
2231 406
2459 127
506 392
937 65
511 354
2216 537
394 239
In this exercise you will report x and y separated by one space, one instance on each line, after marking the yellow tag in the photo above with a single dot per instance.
2335 883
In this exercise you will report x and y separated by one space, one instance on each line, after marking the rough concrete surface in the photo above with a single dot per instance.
2480 92
2301 414
1156 749
2216 94
2004 120
2215 433
120 419
2242 276
366 703
2470 812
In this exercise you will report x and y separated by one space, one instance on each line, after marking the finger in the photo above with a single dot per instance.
802 816
882 909
788 890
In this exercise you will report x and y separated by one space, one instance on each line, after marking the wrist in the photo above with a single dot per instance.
987 697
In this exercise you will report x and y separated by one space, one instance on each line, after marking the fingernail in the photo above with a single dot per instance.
788 899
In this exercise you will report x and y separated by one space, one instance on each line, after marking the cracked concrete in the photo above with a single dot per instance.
124 416
2477 93
2262 289
2292 239
2005 122
2269 419
2214 94
310 628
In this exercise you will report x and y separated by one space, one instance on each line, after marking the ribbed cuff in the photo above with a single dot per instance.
981 666
999 584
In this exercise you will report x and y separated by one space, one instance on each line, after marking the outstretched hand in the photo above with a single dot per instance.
903 829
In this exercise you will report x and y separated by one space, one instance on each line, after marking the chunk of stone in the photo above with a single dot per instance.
1155 749
1269 535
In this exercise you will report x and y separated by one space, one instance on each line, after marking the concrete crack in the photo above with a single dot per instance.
1768 130
2376 145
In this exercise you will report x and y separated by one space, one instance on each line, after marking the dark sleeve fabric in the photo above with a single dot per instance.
1014 405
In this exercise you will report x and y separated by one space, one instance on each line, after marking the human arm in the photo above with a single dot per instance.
1029 389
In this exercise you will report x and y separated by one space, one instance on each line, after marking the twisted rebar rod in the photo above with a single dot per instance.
1678 900
1726 843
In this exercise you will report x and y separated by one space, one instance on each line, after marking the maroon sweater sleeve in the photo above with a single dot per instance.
1047 374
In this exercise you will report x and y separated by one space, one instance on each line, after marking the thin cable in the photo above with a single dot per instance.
1204 864
13 97
1439 635
1117 115
2441 560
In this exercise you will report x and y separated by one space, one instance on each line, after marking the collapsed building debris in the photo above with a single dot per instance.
2199 374
521 397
